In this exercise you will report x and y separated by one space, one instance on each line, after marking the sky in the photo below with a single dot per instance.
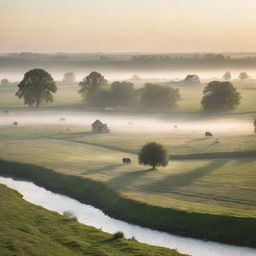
127 26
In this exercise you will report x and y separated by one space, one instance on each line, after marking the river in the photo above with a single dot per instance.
92 216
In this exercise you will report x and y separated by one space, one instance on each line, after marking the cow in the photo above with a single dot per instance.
208 134
126 161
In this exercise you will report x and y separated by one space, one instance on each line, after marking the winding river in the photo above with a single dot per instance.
92 216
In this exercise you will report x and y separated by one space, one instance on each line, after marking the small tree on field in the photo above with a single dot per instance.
91 84
37 86
254 123
69 78
220 96
227 76
243 76
153 154
4 82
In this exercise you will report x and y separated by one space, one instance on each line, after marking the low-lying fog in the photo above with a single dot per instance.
124 75
119 122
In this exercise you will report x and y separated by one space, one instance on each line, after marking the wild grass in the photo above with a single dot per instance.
26 229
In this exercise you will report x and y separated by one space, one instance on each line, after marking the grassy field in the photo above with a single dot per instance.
225 186
26 229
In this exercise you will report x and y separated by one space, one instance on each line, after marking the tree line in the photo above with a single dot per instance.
38 86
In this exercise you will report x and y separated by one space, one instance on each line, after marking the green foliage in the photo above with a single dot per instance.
91 84
118 235
153 154
156 97
123 93
37 86
220 96
227 76
243 76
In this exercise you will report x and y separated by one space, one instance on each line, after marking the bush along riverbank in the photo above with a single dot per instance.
220 228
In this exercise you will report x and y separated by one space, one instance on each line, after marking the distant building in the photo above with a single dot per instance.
193 79
99 127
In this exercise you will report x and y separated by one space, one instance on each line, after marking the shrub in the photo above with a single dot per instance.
118 235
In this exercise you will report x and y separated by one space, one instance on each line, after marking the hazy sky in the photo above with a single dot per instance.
127 25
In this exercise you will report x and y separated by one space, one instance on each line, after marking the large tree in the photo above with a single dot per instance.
91 84
220 96
153 154
36 87
156 97
123 93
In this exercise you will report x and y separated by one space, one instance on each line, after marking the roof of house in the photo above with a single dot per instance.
97 123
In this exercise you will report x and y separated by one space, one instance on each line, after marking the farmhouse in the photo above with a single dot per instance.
193 79
99 127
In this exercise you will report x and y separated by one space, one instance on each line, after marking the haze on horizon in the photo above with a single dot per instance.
127 26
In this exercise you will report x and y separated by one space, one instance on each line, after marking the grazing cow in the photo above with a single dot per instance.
126 161
208 134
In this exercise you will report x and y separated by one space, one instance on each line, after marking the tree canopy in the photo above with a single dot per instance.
91 84
5 82
36 87
153 154
220 96
156 97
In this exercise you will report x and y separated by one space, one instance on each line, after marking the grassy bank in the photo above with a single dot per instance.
26 230
233 230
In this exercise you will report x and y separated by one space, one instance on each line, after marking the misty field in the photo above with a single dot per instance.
225 186
67 96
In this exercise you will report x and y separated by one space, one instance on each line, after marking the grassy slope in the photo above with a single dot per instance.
26 229
221 228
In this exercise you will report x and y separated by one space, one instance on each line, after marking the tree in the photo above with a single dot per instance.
4 82
122 94
254 123
91 84
156 97
243 76
69 78
227 76
36 87
220 96
153 154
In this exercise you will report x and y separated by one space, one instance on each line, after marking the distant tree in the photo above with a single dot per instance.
227 76
153 154
36 87
4 82
220 96
69 78
101 99
122 93
91 84
243 76
254 123
156 97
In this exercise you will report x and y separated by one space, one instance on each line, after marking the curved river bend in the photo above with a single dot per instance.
92 216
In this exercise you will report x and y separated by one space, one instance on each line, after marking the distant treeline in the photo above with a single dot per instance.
127 61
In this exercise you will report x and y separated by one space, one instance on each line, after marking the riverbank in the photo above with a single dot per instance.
27 229
226 229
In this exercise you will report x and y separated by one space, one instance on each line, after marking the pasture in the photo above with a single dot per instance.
225 186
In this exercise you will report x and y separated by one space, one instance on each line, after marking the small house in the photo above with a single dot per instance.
99 127
193 79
